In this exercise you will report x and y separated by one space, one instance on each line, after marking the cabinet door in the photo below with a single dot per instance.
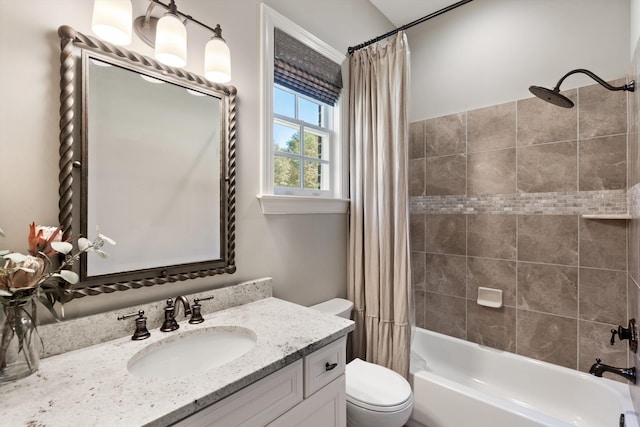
255 405
326 408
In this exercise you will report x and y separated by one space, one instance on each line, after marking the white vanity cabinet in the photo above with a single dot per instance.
309 392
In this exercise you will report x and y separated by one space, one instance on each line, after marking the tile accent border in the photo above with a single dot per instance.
558 203
634 200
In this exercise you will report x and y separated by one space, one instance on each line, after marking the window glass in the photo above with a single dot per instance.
286 171
314 146
314 174
310 112
286 138
284 102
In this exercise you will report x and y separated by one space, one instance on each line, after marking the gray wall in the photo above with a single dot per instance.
305 254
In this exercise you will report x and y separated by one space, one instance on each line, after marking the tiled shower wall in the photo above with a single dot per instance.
497 195
634 209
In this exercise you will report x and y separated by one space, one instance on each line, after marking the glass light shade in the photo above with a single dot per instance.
171 41
217 61
112 21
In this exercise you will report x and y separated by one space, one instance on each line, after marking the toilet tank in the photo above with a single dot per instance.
336 306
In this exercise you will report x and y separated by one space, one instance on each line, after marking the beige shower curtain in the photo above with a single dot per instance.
379 266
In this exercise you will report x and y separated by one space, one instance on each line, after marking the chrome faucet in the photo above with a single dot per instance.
170 323
598 369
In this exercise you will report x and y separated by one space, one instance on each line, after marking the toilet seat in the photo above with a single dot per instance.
376 388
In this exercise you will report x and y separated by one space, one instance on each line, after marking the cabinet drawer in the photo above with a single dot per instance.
324 365
257 404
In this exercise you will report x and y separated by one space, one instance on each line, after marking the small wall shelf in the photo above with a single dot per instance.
605 216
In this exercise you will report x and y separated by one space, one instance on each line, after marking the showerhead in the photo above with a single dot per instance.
554 97
551 95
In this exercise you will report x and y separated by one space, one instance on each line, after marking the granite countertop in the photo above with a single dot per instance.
92 386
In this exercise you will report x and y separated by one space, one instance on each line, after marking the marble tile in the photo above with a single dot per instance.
547 337
548 167
633 168
446 175
416 231
593 342
446 135
491 236
493 327
603 244
548 288
492 273
446 274
418 270
548 238
601 111
633 256
491 127
417 177
492 172
602 163
417 140
446 314
420 307
603 296
540 121
446 234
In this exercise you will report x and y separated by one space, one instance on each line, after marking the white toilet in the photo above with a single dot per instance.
376 396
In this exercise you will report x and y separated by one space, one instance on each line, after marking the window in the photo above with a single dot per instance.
303 151
301 144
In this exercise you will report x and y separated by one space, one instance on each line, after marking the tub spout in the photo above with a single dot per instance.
598 369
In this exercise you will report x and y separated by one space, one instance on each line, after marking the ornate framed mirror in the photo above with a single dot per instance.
147 153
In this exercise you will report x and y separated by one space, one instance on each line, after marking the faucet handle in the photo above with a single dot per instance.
628 333
141 331
196 315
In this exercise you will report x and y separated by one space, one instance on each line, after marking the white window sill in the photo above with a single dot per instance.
272 205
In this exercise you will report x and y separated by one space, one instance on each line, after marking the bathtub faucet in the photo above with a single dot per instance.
598 369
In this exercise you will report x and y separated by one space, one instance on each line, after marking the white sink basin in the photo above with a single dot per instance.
185 353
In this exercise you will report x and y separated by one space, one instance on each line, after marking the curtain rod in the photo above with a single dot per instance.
409 25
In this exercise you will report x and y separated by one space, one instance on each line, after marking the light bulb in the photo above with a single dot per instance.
171 41
217 61
112 21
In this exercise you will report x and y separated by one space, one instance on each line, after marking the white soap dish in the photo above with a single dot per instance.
490 297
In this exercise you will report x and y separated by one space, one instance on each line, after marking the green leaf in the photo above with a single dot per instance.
3 252
50 306
62 247
68 276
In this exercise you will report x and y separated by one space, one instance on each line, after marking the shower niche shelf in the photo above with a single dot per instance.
607 216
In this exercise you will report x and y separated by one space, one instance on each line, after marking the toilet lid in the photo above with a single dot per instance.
375 387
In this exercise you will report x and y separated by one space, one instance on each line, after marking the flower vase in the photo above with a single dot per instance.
20 344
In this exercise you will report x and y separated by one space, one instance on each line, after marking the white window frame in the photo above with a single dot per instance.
335 199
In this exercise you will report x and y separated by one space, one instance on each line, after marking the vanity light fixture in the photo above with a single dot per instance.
168 35
111 21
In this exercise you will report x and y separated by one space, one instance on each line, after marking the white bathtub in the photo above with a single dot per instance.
460 384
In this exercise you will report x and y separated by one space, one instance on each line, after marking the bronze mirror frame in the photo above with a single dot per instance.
73 171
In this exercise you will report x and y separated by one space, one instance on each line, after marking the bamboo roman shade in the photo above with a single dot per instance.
300 68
